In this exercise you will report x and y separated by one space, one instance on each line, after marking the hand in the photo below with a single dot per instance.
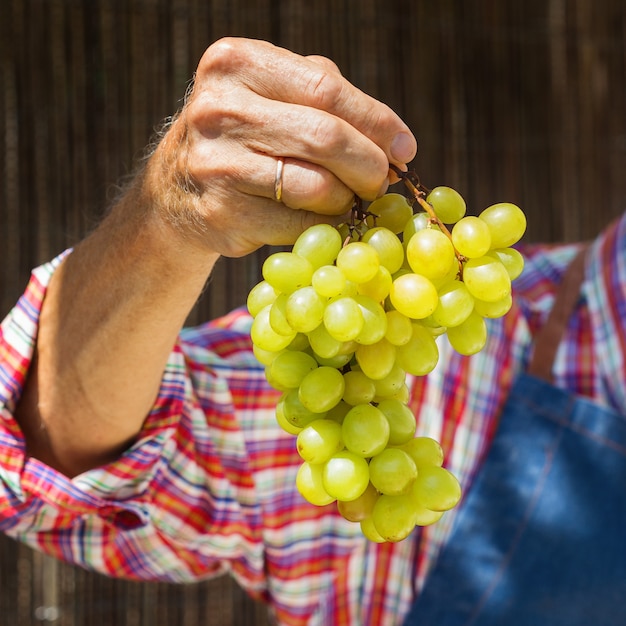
252 103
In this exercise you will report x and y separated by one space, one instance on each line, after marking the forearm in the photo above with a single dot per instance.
110 318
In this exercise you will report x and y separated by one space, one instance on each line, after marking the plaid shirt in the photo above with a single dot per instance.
208 486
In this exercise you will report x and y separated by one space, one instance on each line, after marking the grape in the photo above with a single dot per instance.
321 389
413 295
286 271
264 336
369 530
304 309
290 367
399 328
329 281
361 508
378 287
498 308
424 451
260 296
342 320
436 488
374 321
394 517
345 476
420 355
278 317
318 441
319 244
299 343
486 278
310 484
512 260
295 412
391 384
338 412
391 211
418 222
470 336
265 357
401 421
455 303
359 388
376 360
273 382
365 430
471 237
358 261
389 247
507 224
323 344
424 516
350 289
448 204
454 273
431 254
403 395
282 420
432 326
392 472
338 361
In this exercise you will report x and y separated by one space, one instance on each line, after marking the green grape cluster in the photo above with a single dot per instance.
341 319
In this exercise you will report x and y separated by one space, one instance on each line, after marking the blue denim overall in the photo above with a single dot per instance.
540 539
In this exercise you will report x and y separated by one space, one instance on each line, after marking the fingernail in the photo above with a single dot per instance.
403 147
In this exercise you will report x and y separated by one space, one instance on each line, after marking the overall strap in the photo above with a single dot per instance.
546 341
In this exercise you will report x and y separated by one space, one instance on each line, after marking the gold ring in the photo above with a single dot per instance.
278 181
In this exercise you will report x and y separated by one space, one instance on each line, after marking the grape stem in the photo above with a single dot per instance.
358 215
413 184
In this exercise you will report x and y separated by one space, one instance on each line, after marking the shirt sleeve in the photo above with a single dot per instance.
177 506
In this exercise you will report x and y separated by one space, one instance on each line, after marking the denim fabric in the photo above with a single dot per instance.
540 538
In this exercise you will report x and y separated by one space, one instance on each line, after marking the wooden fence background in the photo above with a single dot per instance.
511 100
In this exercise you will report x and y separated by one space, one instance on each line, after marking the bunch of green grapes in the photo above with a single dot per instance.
341 319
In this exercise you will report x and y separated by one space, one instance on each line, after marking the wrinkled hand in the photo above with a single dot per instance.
252 103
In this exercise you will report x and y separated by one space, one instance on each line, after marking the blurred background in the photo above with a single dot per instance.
516 101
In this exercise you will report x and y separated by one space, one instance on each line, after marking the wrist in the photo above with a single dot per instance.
156 220
168 198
